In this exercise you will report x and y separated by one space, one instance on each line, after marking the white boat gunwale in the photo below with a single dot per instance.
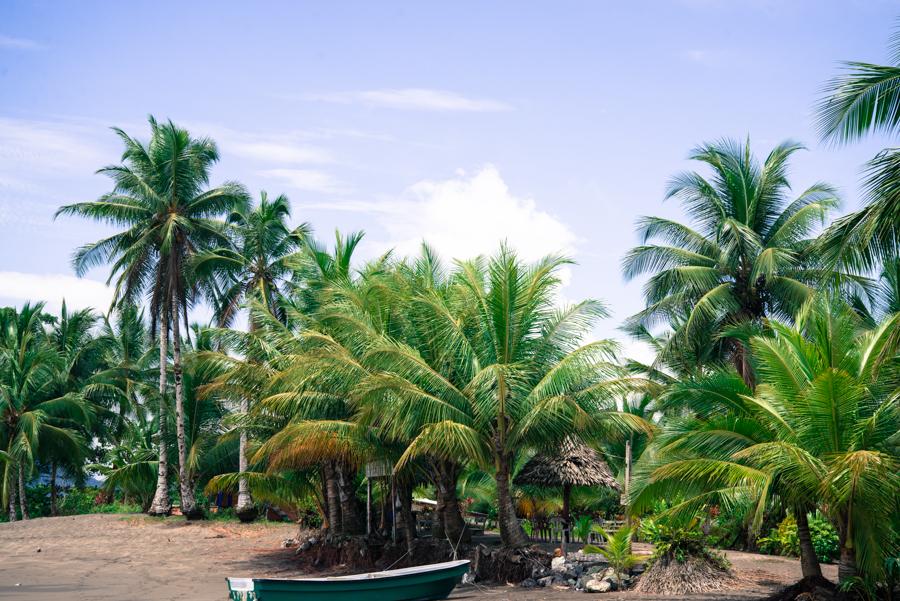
240 584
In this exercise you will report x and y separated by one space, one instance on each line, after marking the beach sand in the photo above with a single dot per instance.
106 557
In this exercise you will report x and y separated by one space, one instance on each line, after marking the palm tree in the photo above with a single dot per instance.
259 262
81 354
746 256
160 198
256 266
820 430
32 416
521 379
863 100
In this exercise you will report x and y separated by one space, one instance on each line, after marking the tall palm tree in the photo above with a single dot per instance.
862 100
257 265
820 430
31 414
746 255
160 197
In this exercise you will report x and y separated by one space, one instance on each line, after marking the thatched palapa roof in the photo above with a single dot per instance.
575 464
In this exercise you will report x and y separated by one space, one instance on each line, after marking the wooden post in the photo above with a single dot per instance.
625 498
567 519
368 506
393 511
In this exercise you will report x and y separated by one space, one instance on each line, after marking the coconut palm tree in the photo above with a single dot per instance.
259 262
863 100
32 416
81 353
746 255
257 265
527 382
820 430
160 198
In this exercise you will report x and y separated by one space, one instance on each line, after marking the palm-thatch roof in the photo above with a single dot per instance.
575 464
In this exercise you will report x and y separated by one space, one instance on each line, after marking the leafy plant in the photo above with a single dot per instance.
784 539
679 543
617 551
582 527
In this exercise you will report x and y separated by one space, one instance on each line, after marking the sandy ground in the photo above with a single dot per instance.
124 558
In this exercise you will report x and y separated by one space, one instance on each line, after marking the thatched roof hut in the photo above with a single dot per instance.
575 464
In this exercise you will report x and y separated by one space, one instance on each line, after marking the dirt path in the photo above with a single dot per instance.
125 558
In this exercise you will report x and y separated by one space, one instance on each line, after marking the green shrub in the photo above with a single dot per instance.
581 529
679 542
784 540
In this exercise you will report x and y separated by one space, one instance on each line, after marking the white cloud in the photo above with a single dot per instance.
465 216
51 146
79 293
306 179
291 147
422 99
18 43
278 152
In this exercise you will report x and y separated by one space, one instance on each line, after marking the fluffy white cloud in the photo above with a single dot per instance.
79 293
422 99
465 216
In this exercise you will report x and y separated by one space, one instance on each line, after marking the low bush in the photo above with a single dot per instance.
784 540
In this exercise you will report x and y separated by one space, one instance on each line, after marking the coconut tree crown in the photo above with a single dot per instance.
745 256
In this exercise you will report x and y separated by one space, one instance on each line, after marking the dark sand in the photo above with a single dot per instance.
124 558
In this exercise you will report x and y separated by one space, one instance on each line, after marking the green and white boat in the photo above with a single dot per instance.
419 583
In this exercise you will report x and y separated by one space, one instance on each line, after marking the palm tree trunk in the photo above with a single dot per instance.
453 526
245 509
53 508
11 488
189 507
332 499
809 563
847 565
161 504
511 533
407 519
350 519
23 500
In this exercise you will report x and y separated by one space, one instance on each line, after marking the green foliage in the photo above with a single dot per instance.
528 527
582 527
783 540
679 542
617 550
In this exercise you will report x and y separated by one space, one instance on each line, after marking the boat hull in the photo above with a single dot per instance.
410 584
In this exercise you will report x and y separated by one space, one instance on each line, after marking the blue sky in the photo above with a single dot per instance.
553 125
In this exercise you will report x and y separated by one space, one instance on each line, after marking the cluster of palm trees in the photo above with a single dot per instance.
775 386
776 382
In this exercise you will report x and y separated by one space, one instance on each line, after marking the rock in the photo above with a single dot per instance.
468 578
608 574
313 540
288 543
545 581
528 583
597 586
558 564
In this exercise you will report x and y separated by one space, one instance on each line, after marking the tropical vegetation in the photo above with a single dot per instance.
768 417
